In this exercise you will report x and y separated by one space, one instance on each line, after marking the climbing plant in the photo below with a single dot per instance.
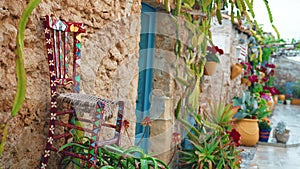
198 15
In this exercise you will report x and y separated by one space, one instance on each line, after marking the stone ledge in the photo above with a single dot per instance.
274 144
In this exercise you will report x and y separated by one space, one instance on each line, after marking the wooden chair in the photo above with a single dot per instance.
69 109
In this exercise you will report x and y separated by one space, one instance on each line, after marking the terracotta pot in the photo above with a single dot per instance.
281 97
244 80
210 68
295 101
248 83
236 70
248 128
275 98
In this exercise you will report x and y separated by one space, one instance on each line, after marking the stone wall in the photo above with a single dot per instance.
287 70
109 67
166 91
219 85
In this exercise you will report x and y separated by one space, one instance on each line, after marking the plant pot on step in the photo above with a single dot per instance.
264 135
281 97
295 101
210 68
244 80
236 70
248 128
284 137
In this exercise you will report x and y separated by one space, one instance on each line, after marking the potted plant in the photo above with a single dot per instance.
236 70
212 136
281 133
246 121
288 99
247 71
296 93
212 59
264 129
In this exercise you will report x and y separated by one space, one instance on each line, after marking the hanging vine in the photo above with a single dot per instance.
198 15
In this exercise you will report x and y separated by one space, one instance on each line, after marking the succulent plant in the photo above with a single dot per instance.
280 127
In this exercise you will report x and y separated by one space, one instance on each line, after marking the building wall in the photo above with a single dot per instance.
109 67
286 71
166 91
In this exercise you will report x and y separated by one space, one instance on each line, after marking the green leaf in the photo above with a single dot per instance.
20 70
72 144
178 107
107 167
144 164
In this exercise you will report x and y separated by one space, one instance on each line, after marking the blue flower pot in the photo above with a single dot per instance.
264 135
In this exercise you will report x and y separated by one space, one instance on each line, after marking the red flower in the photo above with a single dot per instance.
146 121
215 49
265 79
270 65
126 124
235 137
176 138
271 73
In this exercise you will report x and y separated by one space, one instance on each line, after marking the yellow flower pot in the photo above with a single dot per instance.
236 70
281 97
248 128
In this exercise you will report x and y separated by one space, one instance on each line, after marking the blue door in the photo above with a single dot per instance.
143 103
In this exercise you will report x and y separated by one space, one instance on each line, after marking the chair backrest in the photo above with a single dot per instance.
63 43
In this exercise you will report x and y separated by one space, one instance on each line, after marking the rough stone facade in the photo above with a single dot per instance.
286 70
109 67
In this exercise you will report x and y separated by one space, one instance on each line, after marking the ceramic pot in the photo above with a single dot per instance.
244 80
282 138
295 101
264 135
281 97
210 68
236 70
248 83
248 128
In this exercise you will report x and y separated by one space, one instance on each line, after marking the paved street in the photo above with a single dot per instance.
274 155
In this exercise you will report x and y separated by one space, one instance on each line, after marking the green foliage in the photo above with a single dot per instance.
248 106
212 146
296 90
264 125
20 70
113 157
220 113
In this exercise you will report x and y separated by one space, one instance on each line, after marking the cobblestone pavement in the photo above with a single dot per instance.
274 155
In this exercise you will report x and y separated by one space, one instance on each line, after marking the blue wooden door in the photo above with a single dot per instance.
143 103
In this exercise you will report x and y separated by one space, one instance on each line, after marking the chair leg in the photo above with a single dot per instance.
47 152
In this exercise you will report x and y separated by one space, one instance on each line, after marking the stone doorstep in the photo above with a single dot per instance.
297 144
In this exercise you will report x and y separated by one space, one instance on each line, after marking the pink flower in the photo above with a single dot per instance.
253 78
265 96
265 79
